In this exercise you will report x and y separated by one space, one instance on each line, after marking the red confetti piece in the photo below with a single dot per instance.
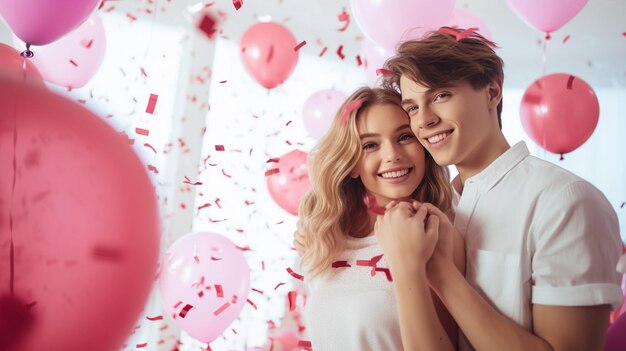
226 174
565 39
219 291
197 259
140 346
237 4
150 147
73 63
383 71
257 290
323 51
143 72
358 60
152 103
270 54
294 274
278 285
142 131
251 303
131 17
303 43
624 34
340 264
87 44
223 81
204 206
156 318
234 299
291 296
288 123
219 147
340 52
107 253
273 160
344 17
622 206
570 82
221 309
188 181
347 110
200 293
269 172
386 271
207 25
304 343
184 311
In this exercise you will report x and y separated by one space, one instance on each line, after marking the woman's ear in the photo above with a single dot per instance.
354 175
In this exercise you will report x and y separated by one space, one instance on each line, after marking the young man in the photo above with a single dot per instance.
541 243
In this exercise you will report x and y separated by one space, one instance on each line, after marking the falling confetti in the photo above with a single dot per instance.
152 103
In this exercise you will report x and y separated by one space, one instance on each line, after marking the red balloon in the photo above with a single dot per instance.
18 67
268 54
79 210
287 187
559 112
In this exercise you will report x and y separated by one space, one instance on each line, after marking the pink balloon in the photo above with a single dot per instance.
462 18
204 283
546 16
18 67
386 22
616 335
559 112
40 22
267 51
74 59
85 225
320 109
374 57
287 187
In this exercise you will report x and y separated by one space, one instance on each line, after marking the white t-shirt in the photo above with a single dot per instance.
537 234
348 309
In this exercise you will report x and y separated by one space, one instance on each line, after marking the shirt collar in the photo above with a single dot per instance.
488 177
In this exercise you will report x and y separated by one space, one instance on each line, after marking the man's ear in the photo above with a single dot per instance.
494 91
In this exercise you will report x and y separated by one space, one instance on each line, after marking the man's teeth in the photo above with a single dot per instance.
395 174
438 137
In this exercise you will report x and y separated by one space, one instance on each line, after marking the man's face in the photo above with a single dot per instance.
455 123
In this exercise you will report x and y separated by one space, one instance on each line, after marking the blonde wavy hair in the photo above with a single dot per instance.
334 207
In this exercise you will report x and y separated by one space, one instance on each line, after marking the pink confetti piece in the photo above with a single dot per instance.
155 318
270 54
197 259
150 147
340 52
73 63
344 17
269 172
566 39
294 274
226 174
251 303
279 285
188 181
219 147
143 72
237 4
303 43
223 81
152 103
382 71
185 310
218 290
131 17
142 131
87 43
221 309
292 296
347 110
323 51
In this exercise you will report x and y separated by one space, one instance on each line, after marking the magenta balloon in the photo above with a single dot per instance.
288 186
18 67
462 18
85 225
267 51
74 59
40 22
546 15
204 283
374 57
559 112
320 109
616 335
386 22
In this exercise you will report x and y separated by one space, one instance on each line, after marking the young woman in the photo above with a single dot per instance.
368 158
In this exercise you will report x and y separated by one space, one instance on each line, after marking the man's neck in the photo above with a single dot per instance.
482 157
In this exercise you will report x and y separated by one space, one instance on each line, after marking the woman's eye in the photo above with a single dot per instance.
405 137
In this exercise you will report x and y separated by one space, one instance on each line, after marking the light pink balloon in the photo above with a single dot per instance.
204 283
374 57
74 59
267 51
287 187
386 22
320 109
462 18
40 22
546 15
559 112
18 67
85 226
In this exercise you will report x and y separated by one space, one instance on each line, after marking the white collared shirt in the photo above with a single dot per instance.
537 234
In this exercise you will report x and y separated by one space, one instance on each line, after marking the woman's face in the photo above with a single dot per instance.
392 164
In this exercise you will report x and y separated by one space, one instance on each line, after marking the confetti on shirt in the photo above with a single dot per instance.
340 264
152 103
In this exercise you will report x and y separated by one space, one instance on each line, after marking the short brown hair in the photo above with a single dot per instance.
438 59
